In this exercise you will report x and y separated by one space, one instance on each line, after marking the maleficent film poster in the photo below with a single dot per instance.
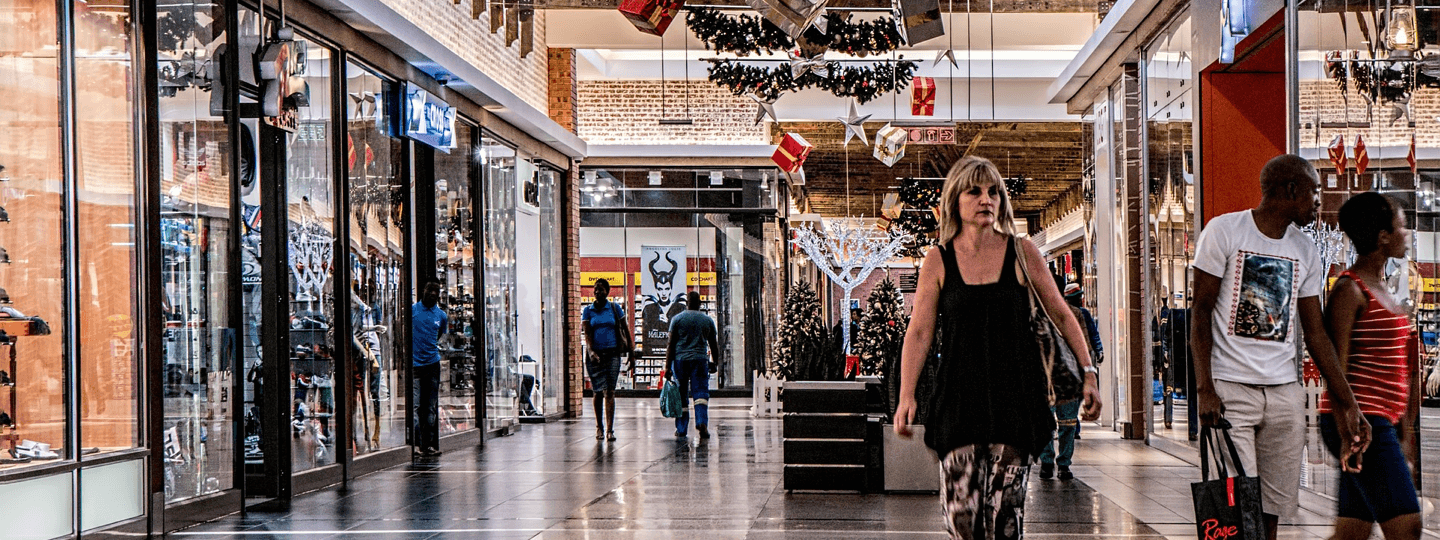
662 284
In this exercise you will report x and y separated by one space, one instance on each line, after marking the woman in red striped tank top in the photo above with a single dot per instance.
1372 332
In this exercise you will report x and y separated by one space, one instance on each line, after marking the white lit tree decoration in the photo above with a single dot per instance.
847 251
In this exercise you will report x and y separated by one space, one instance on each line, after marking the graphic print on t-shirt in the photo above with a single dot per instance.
1261 307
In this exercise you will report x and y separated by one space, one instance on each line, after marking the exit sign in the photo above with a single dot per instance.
931 135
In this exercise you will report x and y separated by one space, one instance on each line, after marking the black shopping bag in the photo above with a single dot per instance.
1227 508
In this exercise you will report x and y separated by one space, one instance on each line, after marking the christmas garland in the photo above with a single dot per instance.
917 194
746 35
862 83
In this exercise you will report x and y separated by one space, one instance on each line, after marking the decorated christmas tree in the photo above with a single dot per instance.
802 334
882 328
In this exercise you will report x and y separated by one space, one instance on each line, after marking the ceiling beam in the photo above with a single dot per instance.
1001 6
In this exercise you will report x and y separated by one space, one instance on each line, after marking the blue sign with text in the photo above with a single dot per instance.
429 120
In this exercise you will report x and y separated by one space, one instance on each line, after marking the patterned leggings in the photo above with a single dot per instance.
983 491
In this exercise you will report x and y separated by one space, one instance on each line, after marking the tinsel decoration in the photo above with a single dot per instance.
882 328
918 194
1016 186
862 83
747 35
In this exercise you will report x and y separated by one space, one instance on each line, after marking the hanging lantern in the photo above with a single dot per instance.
1400 33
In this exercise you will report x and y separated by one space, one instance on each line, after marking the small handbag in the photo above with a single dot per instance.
1061 368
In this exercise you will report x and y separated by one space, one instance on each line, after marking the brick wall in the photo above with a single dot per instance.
574 360
450 24
629 112
1324 109
563 87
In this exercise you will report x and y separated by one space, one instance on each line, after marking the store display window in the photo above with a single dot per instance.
502 352
550 389
455 271
33 385
310 231
196 232
377 261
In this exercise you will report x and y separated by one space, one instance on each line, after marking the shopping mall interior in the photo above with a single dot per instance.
185 372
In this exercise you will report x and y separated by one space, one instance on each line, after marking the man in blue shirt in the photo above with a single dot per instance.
427 323
692 334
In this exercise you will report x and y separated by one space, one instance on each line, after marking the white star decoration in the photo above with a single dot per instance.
765 107
854 126
947 54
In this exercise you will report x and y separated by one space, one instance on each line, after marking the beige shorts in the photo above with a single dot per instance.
1268 426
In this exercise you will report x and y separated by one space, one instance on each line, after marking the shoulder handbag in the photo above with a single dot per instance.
1062 370
1228 506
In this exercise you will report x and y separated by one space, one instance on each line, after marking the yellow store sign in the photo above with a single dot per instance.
694 279
616 279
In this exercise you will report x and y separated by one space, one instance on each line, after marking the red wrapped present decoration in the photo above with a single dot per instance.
922 96
651 16
791 153
1362 156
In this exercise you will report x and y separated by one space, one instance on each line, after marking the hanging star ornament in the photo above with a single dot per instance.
947 54
764 107
854 125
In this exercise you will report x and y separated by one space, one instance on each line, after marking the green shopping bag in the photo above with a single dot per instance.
671 405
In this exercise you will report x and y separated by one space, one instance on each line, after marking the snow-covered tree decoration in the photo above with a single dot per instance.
882 328
847 251
802 333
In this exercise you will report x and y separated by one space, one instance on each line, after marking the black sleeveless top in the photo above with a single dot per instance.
990 381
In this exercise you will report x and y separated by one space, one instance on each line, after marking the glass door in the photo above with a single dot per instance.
455 271
501 350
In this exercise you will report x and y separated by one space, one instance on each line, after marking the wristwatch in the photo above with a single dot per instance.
1091 369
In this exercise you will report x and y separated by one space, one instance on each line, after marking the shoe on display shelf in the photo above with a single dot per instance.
6 421
35 450
5 379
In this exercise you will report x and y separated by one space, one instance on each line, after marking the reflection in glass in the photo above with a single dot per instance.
1169 107
32 407
455 270
501 356
195 234
105 173
550 188
377 258
310 222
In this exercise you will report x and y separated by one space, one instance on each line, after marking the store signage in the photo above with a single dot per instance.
615 279
694 279
428 119
280 67
931 134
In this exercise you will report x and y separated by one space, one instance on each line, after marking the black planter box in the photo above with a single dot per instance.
831 443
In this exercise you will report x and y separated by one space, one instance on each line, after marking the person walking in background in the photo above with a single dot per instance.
1257 277
990 414
427 323
1372 334
692 335
1067 415
607 336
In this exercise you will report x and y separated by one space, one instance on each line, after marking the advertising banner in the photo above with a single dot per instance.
662 285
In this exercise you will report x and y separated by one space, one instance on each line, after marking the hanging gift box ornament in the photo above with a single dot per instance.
792 16
1337 154
922 96
651 16
890 144
919 20
1410 158
791 153
1362 156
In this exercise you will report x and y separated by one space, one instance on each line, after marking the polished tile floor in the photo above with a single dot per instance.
556 481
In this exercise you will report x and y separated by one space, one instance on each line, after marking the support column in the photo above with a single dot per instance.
1129 139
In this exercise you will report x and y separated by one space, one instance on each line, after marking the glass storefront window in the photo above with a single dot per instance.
455 270
196 232
105 219
549 195
501 350
377 258
310 230
729 258
33 387
1170 183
